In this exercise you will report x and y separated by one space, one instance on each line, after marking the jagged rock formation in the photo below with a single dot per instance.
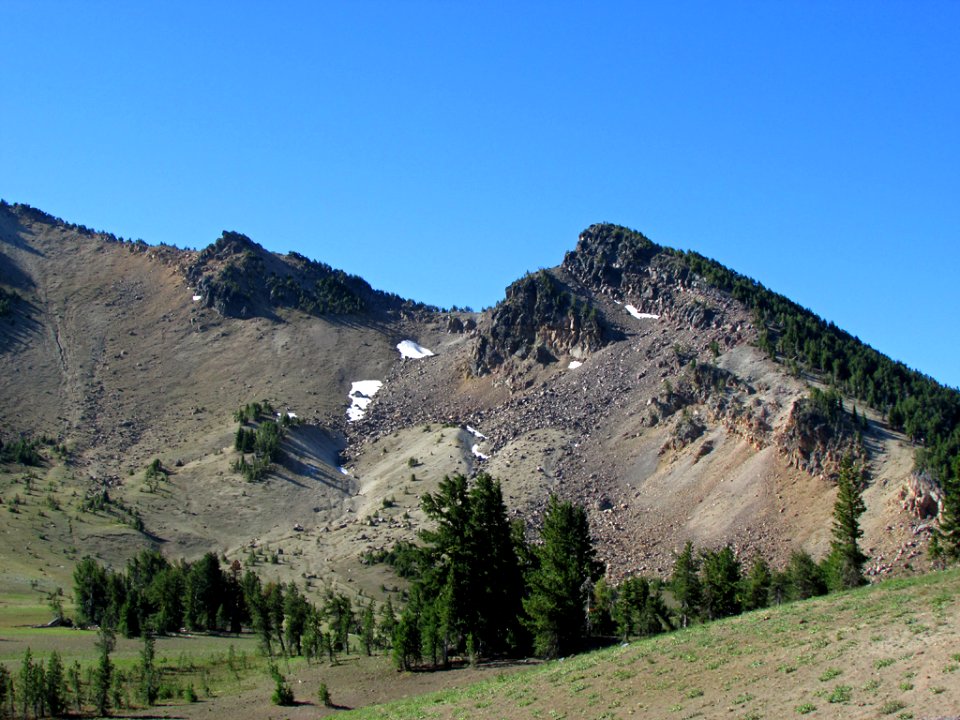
540 319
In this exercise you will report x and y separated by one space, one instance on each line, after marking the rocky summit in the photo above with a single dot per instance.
673 398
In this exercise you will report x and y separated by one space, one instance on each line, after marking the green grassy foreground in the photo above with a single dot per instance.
890 650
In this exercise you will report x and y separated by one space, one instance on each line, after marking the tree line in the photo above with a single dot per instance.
480 589
914 403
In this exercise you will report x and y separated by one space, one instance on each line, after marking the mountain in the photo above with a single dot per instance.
672 397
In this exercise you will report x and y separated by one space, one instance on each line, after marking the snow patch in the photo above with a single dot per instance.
361 393
574 364
291 415
343 470
197 298
412 350
641 315
476 433
476 451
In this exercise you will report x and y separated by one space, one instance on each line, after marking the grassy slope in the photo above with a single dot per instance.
887 650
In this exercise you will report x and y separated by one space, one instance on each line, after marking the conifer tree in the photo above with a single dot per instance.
948 535
804 576
103 674
149 683
6 692
719 584
756 585
368 628
845 563
561 584
54 691
685 583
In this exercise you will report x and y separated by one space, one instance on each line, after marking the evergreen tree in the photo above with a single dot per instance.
602 608
471 573
560 586
845 563
260 615
149 682
203 593
640 609
28 690
387 624
720 580
295 610
685 583
103 674
282 692
6 692
948 535
368 629
54 690
755 588
406 636
90 591
76 685
804 576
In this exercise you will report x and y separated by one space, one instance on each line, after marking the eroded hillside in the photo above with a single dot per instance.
621 379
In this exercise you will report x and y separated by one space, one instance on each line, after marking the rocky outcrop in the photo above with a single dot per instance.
238 278
819 434
921 497
540 319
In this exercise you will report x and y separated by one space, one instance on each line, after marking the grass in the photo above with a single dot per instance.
778 662
694 673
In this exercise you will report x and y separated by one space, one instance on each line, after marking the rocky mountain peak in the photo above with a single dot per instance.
607 254
540 319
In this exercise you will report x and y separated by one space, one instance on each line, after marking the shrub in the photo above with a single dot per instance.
282 692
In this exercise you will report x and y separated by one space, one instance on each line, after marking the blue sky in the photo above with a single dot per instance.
442 149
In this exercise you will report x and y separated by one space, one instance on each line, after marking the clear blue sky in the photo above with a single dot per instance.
442 149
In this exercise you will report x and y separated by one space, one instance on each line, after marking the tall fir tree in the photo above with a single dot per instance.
948 535
756 586
720 581
561 584
844 566
685 584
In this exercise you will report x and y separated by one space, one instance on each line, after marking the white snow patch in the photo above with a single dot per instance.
641 315
197 298
292 416
476 433
574 364
361 393
476 451
343 470
412 350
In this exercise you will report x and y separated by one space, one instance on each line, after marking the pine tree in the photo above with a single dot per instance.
804 576
90 591
149 684
561 584
388 622
103 675
368 628
948 535
28 690
685 583
845 563
295 611
755 590
54 690
76 685
6 692
719 583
